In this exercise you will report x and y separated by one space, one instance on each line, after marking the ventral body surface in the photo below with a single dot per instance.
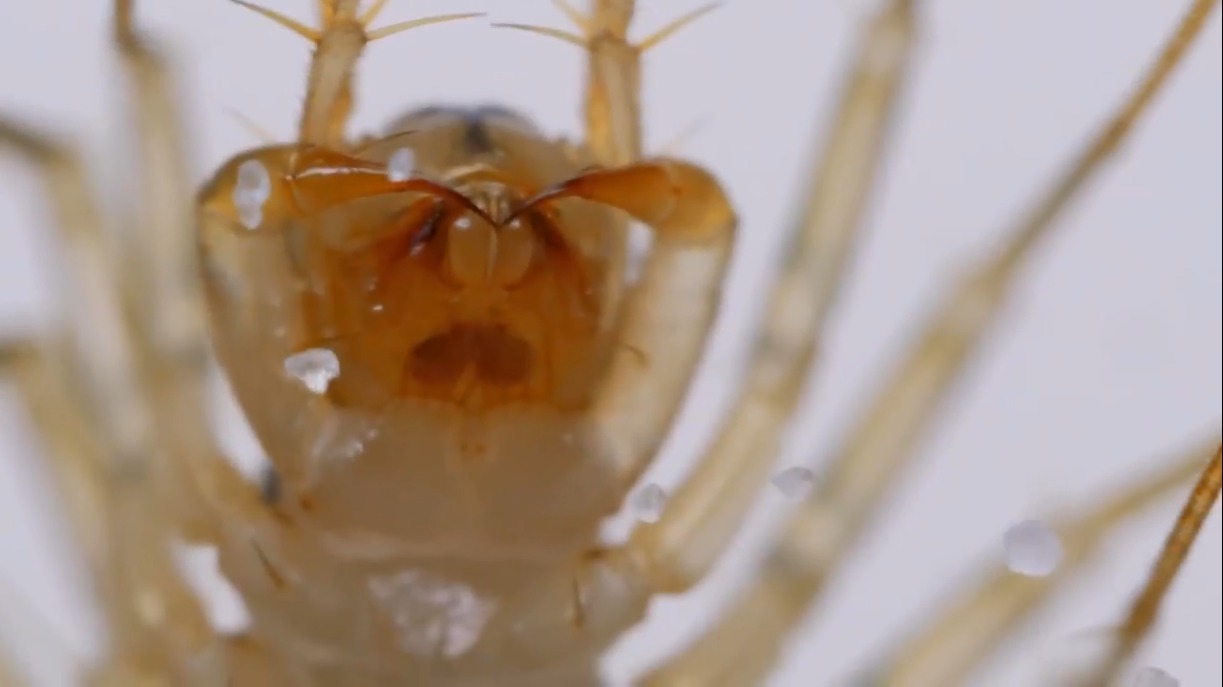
466 349
419 329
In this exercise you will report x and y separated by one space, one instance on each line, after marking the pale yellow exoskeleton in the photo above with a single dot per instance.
432 334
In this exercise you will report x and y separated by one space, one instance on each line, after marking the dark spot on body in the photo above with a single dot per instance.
498 356
277 579
476 138
270 487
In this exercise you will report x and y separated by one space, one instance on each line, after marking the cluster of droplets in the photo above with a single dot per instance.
432 616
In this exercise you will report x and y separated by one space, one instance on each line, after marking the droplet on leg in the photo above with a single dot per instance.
648 502
794 483
315 368
1032 549
399 166
1154 677
252 188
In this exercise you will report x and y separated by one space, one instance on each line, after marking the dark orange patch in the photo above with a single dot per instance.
496 357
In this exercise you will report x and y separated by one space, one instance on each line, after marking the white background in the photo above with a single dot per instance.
1110 356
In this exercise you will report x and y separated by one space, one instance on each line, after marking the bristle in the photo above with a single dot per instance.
672 148
416 23
312 35
371 13
671 29
366 145
573 15
547 31
259 132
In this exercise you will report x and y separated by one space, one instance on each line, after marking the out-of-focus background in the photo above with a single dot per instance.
1110 357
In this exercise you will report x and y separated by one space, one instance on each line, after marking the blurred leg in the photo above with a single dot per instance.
696 528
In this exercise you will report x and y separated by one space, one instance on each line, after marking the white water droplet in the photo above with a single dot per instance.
1032 549
399 166
795 482
1154 677
315 368
432 616
252 188
648 502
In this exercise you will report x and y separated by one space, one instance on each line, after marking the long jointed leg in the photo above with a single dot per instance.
100 328
163 289
163 250
75 464
1145 608
154 619
338 46
967 631
745 644
53 400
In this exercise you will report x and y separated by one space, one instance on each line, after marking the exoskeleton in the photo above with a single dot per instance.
457 370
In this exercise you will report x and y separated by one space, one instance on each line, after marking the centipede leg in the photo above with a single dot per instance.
965 633
823 531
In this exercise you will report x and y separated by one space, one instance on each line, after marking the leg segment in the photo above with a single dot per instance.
102 429
338 46
101 329
167 302
613 78
1145 607
154 620
825 527
967 631
613 74
164 293
75 450
123 392
613 82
